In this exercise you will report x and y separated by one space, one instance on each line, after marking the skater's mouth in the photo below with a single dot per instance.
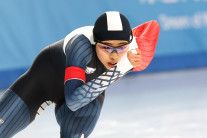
111 64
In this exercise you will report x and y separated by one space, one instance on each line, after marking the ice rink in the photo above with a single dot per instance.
154 105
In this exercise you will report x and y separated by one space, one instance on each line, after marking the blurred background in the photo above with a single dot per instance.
167 100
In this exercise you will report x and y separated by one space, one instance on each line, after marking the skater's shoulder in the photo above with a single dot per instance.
87 31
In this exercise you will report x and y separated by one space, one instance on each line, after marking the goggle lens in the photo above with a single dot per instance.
111 49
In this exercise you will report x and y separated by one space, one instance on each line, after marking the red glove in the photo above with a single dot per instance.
146 37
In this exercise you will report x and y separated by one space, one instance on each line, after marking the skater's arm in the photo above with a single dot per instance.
87 92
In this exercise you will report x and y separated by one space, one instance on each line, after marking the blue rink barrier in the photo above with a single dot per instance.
184 61
9 76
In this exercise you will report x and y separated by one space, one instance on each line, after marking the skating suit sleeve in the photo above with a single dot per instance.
78 54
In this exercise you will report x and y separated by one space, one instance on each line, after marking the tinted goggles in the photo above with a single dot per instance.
110 49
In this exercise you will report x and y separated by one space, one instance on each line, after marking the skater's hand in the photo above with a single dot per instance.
135 57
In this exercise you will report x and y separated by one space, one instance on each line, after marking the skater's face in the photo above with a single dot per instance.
110 52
